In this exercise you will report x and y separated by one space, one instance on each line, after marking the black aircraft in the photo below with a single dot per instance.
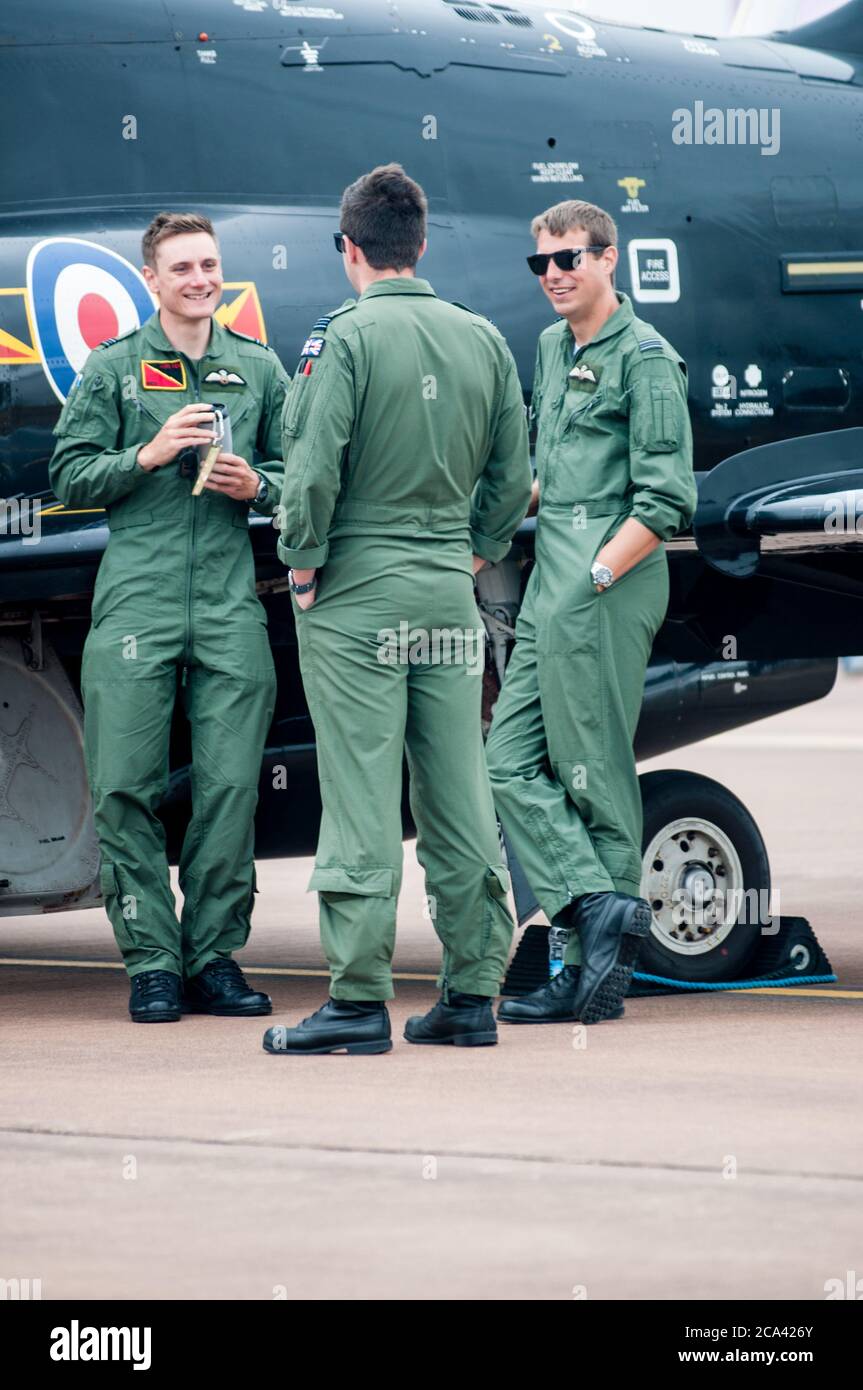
734 169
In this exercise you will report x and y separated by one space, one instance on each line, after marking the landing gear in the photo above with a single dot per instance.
706 877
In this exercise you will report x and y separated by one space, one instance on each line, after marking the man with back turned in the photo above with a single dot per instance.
406 468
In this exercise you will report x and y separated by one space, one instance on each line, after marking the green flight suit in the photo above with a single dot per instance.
613 441
174 608
405 448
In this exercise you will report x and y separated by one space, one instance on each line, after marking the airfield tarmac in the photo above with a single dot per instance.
704 1146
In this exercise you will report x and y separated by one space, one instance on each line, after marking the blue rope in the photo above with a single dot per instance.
689 985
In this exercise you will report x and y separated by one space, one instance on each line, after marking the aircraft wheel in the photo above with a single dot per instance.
706 876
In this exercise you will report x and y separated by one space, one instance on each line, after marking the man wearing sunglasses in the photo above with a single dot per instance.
614 480
406 452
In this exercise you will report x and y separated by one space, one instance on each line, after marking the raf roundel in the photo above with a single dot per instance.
80 294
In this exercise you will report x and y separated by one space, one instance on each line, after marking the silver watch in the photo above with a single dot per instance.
601 574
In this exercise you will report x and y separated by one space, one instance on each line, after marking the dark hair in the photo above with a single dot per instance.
166 224
384 213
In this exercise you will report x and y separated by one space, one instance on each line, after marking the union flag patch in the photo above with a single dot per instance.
164 376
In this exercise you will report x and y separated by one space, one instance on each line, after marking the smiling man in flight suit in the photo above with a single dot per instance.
614 480
175 606
405 449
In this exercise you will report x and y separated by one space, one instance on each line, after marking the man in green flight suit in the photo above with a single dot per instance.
175 607
614 480
406 452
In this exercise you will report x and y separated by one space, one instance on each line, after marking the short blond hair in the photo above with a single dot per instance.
574 215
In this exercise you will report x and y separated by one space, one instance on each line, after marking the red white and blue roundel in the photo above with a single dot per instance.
80 294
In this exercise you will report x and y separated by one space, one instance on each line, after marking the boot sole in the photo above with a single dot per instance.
380 1045
458 1040
164 1017
609 993
569 1018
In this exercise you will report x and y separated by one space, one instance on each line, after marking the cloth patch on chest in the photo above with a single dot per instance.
225 376
584 377
163 376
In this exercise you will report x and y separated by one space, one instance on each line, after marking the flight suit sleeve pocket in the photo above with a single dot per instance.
336 881
664 434
88 403
295 405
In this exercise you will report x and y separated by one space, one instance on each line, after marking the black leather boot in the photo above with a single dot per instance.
611 928
466 1020
340 1025
155 997
221 988
553 1002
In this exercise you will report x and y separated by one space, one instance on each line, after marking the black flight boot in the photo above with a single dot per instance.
611 928
340 1025
221 988
155 997
553 1002
465 1020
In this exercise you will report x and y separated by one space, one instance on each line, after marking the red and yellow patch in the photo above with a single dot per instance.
164 376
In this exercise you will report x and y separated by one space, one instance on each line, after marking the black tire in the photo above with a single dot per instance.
670 796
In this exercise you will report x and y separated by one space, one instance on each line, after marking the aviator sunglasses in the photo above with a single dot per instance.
570 259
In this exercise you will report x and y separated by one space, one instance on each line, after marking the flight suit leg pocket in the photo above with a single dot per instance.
122 908
571 682
497 922
337 882
358 928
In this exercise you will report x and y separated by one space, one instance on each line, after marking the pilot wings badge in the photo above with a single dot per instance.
584 377
223 377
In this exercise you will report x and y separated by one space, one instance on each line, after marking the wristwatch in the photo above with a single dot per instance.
602 575
301 588
263 491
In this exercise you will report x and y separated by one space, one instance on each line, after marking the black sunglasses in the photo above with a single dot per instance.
570 259
339 239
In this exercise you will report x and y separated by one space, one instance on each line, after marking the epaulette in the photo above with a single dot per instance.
476 313
109 342
247 337
316 342
323 323
650 343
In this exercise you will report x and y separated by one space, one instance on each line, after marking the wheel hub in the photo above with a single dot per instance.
693 880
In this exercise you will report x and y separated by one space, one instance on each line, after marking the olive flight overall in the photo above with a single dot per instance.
175 613
613 441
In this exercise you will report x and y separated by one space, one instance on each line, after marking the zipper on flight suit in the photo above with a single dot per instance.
576 414
193 377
